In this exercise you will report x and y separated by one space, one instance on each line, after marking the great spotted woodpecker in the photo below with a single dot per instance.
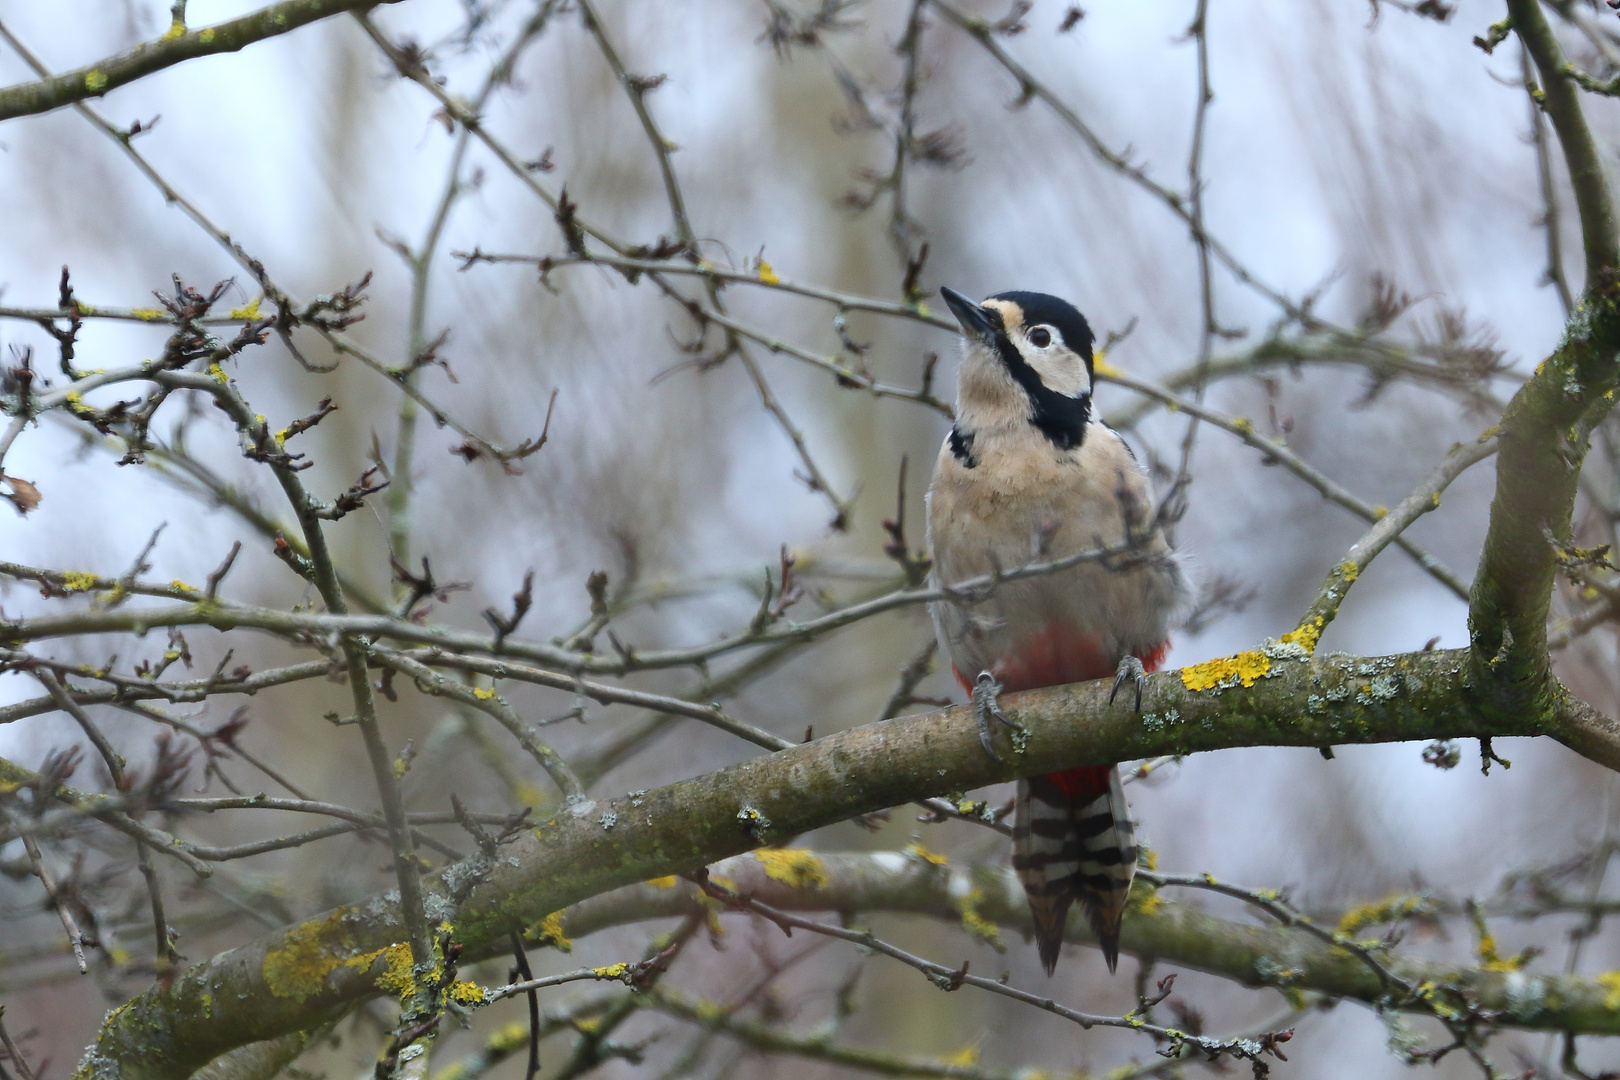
1028 476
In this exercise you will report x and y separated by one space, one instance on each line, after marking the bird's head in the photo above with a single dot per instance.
1027 358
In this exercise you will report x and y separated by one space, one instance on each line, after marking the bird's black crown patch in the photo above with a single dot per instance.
1059 417
1053 311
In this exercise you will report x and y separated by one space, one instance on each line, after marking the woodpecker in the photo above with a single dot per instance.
1027 476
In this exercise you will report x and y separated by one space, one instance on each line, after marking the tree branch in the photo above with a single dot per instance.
176 46
292 979
1561 100
1276 956
1545 430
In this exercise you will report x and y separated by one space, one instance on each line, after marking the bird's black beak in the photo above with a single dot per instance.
976 321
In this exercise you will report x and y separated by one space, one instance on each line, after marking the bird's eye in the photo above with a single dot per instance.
1040 337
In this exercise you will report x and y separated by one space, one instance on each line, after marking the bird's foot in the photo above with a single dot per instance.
987 708
1130 669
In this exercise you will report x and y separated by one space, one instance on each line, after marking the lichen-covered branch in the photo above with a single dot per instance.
982 900
1544 434
299 976
1542 440
177 44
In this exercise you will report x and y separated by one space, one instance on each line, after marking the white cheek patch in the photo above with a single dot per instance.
1059 370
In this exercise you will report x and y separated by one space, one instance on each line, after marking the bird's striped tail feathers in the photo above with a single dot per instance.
1073 840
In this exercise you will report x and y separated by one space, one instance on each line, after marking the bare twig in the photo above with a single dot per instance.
70 926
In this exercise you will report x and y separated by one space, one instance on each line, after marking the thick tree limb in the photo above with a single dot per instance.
1542 442
1544 431
256 1061
298 977
1254 955
175 46
1587 731
982 899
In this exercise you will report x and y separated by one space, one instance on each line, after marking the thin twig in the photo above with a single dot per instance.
1549 189
1275 451
948 978
70 926
1199 32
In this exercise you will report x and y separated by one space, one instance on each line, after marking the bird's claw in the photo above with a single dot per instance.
1130 668
987 708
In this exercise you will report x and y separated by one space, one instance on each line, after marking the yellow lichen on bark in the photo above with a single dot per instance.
300 967
933 858
1224 671
1306 634
398 976
792 866
1143 898
1610 981
551 932
973 921
466 993
311 951
78 581
1391 908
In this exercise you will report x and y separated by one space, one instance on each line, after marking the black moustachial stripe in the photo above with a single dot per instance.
962 447
1061 418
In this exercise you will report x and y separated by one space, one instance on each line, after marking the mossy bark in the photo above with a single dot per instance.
298 977
1179 934
1543 435
1543 438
